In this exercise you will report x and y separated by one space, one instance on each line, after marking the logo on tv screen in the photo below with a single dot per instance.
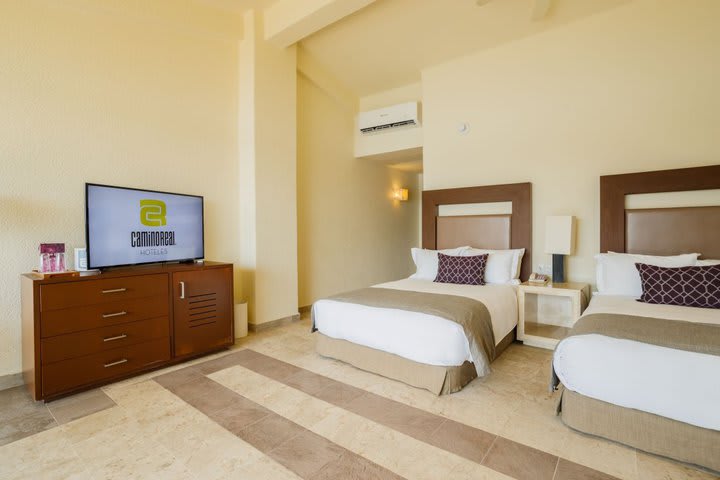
153 213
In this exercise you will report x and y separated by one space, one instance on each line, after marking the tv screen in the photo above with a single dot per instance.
127 226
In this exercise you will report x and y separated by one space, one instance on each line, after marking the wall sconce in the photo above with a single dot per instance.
400 194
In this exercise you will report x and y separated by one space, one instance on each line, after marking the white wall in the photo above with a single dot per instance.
111 96
632 89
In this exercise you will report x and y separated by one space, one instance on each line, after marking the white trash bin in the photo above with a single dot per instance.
241 320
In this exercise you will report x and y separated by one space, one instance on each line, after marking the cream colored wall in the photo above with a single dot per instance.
407 93
351 234
108 96
394 146
276 278
632 89
268 208
247 217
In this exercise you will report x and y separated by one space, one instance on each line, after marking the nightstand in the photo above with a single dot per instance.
548 312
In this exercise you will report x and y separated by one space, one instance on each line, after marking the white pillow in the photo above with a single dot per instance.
426 261
499 267
516 262
617 274
707 263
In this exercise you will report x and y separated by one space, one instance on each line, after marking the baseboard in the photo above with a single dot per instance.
10 381
261 327
305 309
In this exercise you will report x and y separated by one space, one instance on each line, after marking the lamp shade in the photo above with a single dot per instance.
560 234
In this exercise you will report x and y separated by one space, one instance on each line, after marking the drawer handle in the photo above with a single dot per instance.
182 290
115 290
116 314
119 362
119 337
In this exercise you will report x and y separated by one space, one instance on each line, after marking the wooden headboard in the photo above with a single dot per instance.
659 231
513 230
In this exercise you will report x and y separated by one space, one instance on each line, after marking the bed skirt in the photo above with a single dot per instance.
439 380
644 431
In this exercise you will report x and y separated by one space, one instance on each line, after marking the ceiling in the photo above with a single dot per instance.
388 43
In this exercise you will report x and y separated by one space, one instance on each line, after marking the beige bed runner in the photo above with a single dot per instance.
677 334
470 314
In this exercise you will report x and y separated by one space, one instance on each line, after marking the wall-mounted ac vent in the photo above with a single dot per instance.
388 118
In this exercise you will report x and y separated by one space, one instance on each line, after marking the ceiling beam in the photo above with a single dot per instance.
289 21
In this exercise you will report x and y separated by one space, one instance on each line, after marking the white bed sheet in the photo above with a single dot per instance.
676 384
416 336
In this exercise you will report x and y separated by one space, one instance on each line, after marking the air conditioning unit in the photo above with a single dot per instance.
395 116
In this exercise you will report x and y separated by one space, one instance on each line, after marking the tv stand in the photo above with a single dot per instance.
147 265
83 332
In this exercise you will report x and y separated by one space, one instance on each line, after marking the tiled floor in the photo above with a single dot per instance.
273 409
20 416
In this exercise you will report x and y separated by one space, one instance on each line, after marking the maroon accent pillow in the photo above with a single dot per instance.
686 286
461 270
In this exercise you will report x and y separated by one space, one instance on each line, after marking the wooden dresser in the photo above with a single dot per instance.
81 332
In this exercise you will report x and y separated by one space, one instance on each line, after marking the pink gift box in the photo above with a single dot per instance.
52 257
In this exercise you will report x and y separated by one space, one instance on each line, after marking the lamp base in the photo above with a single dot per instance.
558 268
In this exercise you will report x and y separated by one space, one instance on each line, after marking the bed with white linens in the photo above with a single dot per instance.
415 336
431 332
642 364
677 384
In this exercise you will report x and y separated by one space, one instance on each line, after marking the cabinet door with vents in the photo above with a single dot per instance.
203 310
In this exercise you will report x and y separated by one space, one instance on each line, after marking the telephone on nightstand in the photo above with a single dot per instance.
538 279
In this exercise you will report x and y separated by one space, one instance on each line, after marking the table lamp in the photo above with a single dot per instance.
559 241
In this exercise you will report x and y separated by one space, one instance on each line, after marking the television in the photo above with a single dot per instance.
129 226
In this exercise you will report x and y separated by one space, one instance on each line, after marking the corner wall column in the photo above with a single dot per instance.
268 171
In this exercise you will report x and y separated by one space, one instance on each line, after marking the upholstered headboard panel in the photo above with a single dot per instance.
513 230
669 231
659 231
486 231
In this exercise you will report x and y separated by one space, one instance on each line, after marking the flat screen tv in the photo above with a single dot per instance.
128 226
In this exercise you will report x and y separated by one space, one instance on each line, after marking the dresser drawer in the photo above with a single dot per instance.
69 320
63 376
72 294
73 345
